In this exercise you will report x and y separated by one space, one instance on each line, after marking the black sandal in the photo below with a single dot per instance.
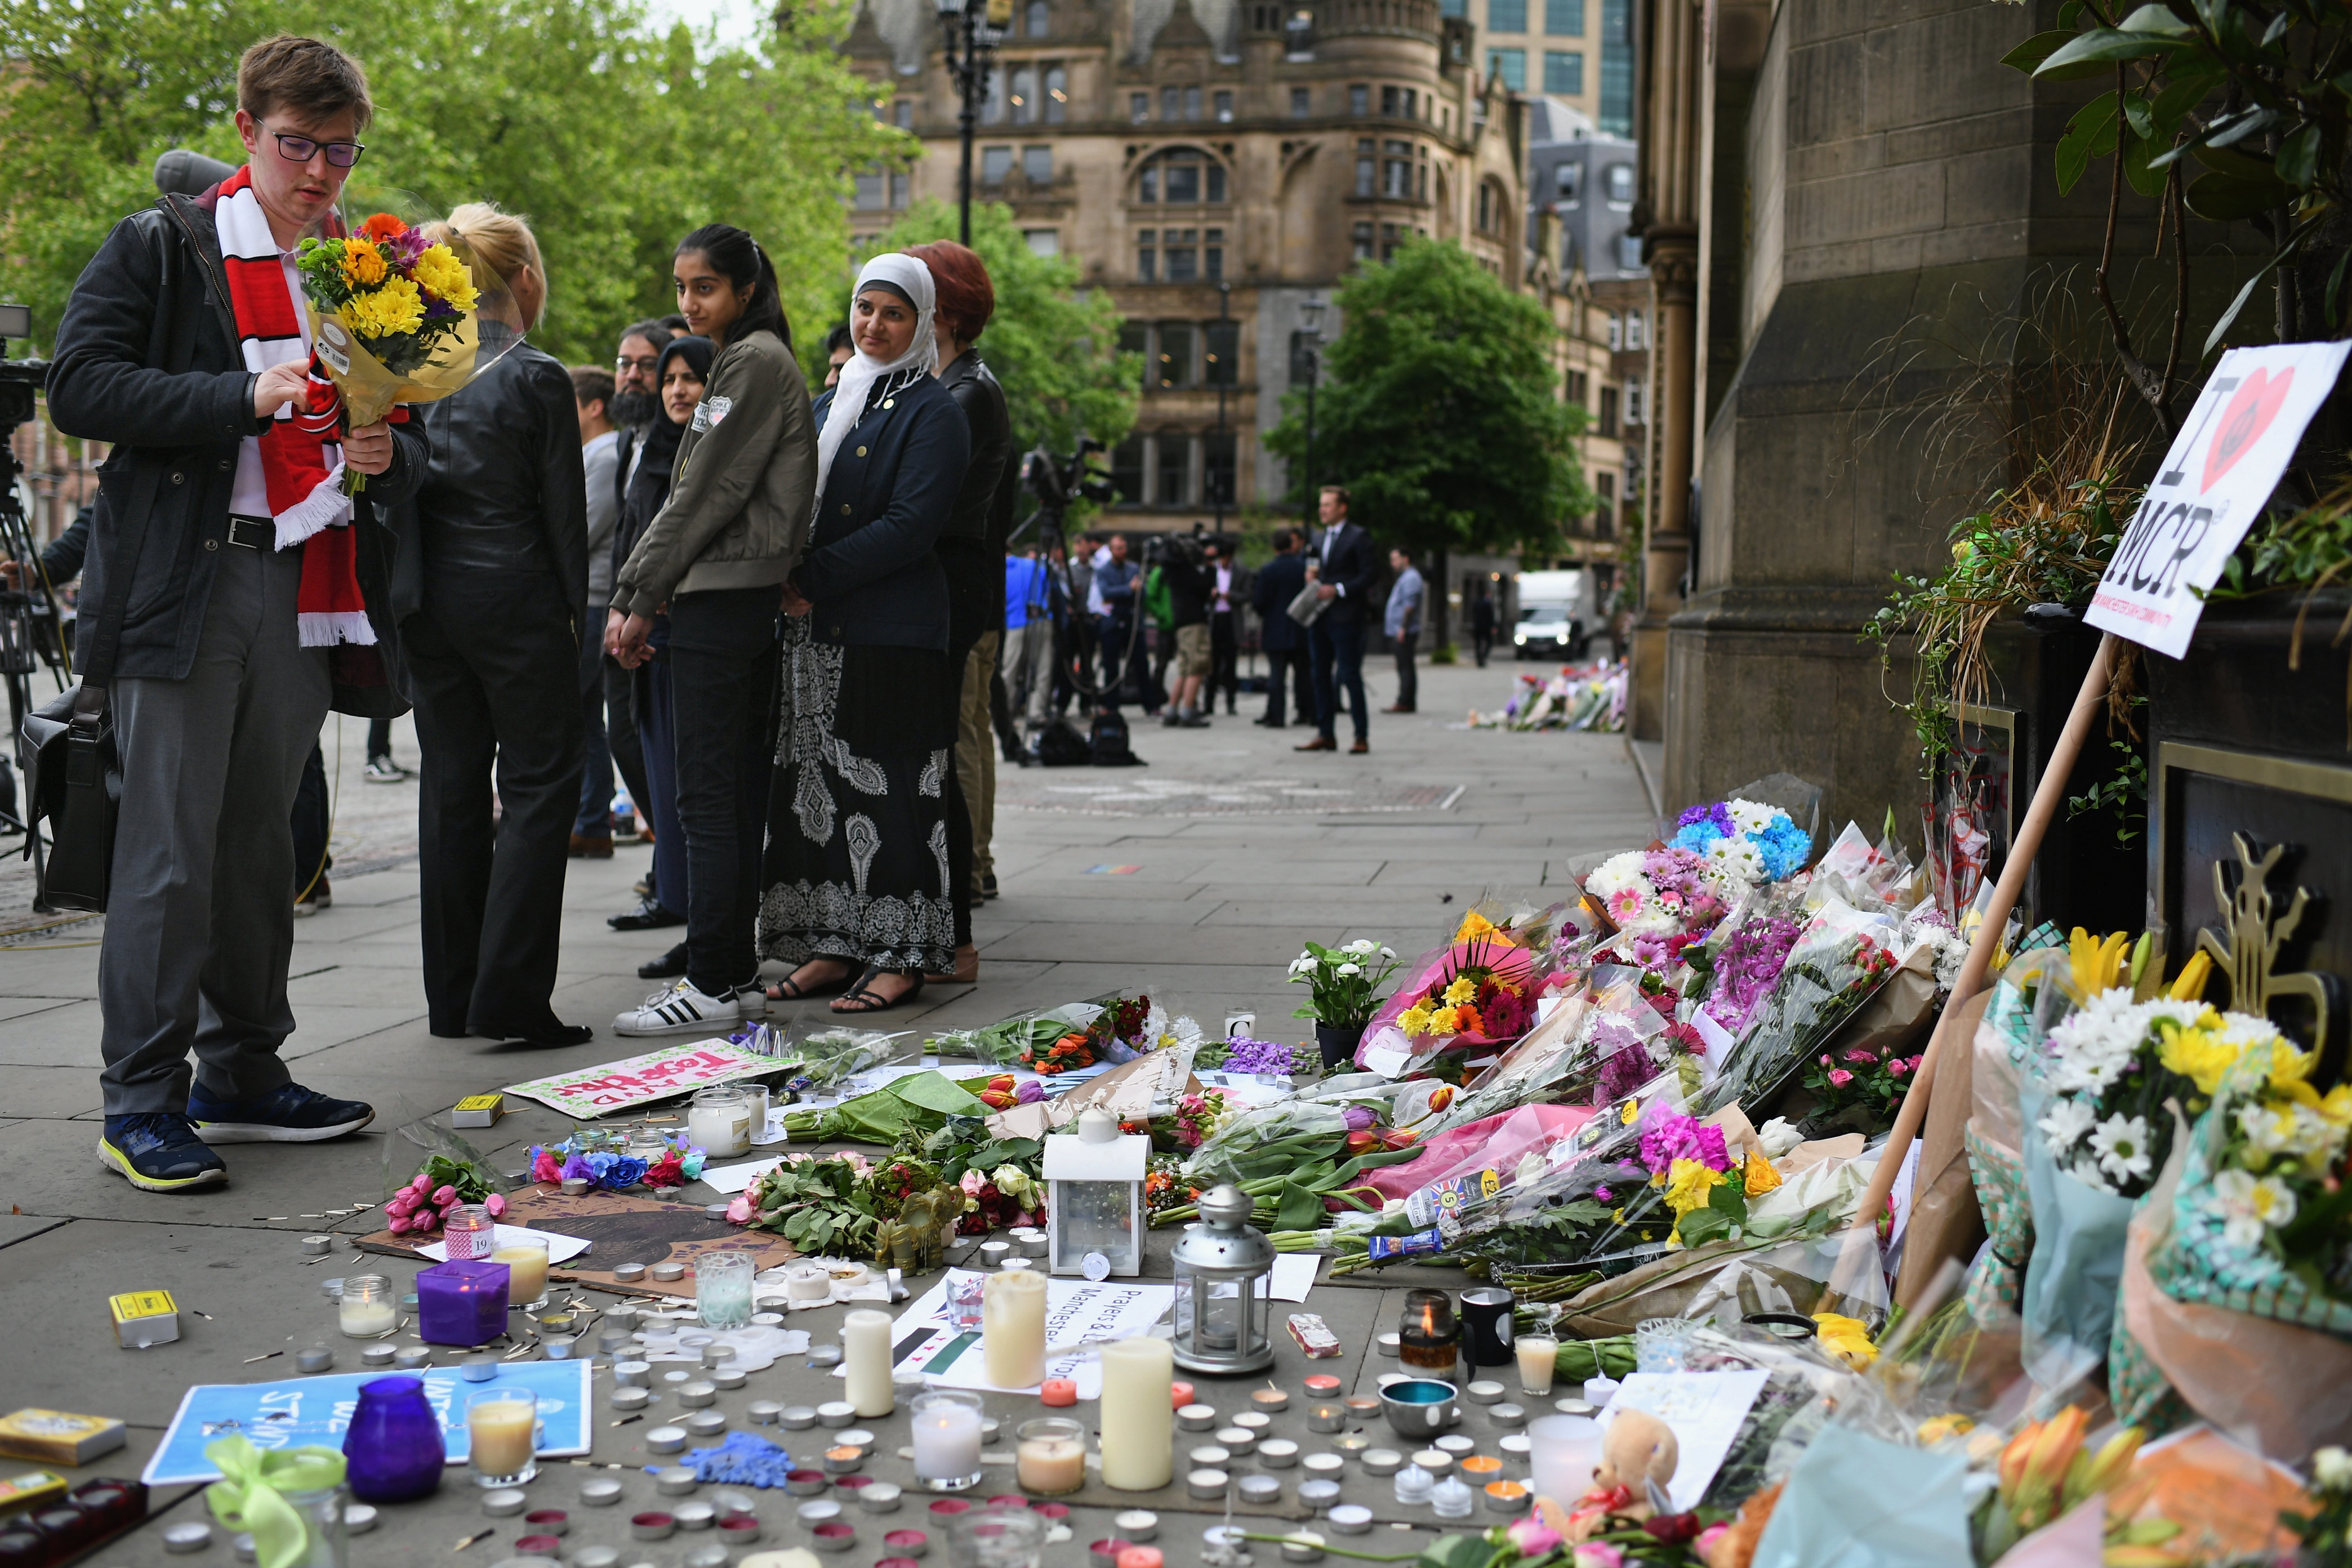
874 1001
785 991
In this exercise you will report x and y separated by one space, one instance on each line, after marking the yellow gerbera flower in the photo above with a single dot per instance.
439 269
394 309
363 266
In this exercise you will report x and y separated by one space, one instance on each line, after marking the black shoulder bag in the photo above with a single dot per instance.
73 772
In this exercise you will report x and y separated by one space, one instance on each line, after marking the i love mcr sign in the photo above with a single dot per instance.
2221 469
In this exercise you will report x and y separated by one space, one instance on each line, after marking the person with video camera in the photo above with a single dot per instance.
221 571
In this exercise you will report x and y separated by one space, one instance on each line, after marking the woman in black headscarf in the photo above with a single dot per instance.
678 382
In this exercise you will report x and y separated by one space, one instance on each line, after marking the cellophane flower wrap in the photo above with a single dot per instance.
1741 843
1838 961
2263 1216
396 318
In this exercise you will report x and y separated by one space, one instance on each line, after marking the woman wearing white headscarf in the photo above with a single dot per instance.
859 895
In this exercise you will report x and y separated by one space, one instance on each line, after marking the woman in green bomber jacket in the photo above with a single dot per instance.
717 556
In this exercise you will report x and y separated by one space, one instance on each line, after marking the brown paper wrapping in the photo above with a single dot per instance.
368 389
1944 1220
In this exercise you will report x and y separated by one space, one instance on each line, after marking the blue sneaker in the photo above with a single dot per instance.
160 1152
289 1114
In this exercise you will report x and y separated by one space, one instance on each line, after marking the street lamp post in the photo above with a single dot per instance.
1310 333
973 31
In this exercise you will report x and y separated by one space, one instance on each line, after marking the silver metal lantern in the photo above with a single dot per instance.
1221 1313
1094 1199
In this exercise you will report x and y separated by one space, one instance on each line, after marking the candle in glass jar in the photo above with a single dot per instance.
500 1428
1539 1357
1138 1428
365 1309
1050 1456
865 1359
946 1439
1430 1341
1013 1328
719 1119
526 1261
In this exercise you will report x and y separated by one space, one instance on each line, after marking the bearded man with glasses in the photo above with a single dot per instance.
223 563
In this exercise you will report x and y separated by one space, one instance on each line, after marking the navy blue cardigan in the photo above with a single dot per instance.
869 571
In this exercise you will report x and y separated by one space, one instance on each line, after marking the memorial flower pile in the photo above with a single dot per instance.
2105 1121
1742 843
1659 900
680 1163
1467 996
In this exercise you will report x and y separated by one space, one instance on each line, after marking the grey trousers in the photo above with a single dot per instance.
1026 662
200 914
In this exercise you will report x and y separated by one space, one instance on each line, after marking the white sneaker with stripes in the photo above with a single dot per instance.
680 1009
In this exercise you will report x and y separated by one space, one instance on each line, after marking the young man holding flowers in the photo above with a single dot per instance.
222 567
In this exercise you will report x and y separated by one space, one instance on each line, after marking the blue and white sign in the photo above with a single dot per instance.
315 1411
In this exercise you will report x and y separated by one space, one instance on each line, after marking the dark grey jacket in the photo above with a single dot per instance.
147 359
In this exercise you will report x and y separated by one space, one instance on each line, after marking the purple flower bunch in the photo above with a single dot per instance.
1747 966
1247 1056
1717 816
1679 877
1624 1072
1677 1137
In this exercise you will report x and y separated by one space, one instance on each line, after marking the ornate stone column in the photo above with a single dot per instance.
1673 256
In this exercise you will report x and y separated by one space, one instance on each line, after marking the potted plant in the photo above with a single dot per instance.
1344 983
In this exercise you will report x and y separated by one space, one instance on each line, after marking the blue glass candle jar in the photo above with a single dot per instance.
461 1302
393 1446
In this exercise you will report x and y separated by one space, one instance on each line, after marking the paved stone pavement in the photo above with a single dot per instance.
1193 878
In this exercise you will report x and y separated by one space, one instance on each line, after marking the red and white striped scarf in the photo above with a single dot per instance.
301 463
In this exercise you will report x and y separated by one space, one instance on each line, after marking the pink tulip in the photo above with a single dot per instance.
398 1224
445 1195
399 1204
496 1204
423 1183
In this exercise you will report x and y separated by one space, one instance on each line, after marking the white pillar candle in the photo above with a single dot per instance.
1137 1423
865 1356
526 1264
1013 1328
1538 1356
947 1441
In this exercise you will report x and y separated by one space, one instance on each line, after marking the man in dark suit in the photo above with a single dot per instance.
1336 641
1282 639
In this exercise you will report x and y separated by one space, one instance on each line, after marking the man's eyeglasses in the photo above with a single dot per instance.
645 367
302 149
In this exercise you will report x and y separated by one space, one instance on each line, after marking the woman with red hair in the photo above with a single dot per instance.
970 548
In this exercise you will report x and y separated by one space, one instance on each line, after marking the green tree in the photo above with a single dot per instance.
1053 345
1437 409
612 139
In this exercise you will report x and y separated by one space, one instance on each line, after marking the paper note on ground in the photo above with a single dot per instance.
733 1179
1076 1310
1293 1277
559 1248
1705 1410
305 1411
625 1085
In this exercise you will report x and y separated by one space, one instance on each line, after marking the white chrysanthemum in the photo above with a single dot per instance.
2161 1010
1361 946
2332 1468
2067 1122
1155 1025
1751 816
2087 1172
1617 874
2121 1144
2251 1207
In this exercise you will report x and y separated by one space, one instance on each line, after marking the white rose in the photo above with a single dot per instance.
2332 1468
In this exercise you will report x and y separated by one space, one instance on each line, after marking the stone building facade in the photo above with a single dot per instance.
1213 164
1846 209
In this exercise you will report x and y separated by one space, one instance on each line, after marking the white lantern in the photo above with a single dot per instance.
1094 1197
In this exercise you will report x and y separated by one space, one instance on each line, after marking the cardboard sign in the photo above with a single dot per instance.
621 1085
2216 475
299 1411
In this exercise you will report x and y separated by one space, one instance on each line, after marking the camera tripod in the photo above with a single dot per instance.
31 636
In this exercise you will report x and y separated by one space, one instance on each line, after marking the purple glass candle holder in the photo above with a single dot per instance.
461 1302
392 1448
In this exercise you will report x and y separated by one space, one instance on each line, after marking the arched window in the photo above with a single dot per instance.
1181 177
1039 22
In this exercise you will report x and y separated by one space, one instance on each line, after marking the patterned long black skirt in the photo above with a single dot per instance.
856 862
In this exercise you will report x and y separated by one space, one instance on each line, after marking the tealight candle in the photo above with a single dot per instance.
1179 1395
1269 1399
1323 1385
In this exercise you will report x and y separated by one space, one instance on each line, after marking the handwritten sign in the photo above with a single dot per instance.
625 1085
303 1411
930 1341
2216 475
